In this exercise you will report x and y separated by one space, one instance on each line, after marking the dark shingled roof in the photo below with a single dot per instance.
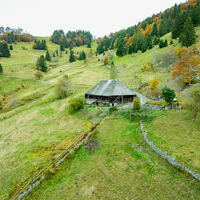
110 88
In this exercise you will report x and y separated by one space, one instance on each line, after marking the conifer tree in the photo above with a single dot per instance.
155 30
188 35
82 56
47 56
4 51
41 64
72 57
1 69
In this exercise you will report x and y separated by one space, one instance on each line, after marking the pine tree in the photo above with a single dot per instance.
154 30
1 69
72 57
41 64
121 49
62 47
47 56
82 56
4 51
188 35
177 27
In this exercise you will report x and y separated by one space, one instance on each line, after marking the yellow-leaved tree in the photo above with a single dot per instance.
154 83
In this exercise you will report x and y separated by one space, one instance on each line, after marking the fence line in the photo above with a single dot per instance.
23 189
167 157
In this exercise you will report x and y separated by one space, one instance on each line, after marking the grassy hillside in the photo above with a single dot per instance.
40 126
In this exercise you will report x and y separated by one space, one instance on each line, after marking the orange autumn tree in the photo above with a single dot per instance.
187 69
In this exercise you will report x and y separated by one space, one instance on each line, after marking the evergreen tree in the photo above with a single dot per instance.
72 57
62 47
188 35
41 64
11 47
82 56
121 49
89 45
154 30
1 69
47 56
4 51
177 27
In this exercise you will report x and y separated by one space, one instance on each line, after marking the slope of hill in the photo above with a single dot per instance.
38 126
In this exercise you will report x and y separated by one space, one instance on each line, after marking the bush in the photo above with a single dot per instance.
41 64
76 104
63 87
4 51
136 103
38 74
168 95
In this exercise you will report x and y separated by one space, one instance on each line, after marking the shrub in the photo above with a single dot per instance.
4 51
63 87
41 64
11 47
47 56
148 67
136 103
38 74
168 95
106 60
76 104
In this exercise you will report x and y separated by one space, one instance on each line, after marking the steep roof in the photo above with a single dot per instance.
110 88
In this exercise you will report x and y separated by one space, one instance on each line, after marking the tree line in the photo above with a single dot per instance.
180 20
72 38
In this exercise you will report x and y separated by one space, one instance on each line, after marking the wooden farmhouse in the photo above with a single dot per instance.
110 92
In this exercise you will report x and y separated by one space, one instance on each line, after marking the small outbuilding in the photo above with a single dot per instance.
110 92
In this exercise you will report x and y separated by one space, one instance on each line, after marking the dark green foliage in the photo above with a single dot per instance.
163 44
156 41
195 14
72 38
177 27
11 47
155 30
47 56
41 64
104 45
168 94
122 49
82 56
57 35
72 57
76 104
40 44
4 51
62 46
188 35
1 69
89 44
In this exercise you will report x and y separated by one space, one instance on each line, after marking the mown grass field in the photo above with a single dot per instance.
123 166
